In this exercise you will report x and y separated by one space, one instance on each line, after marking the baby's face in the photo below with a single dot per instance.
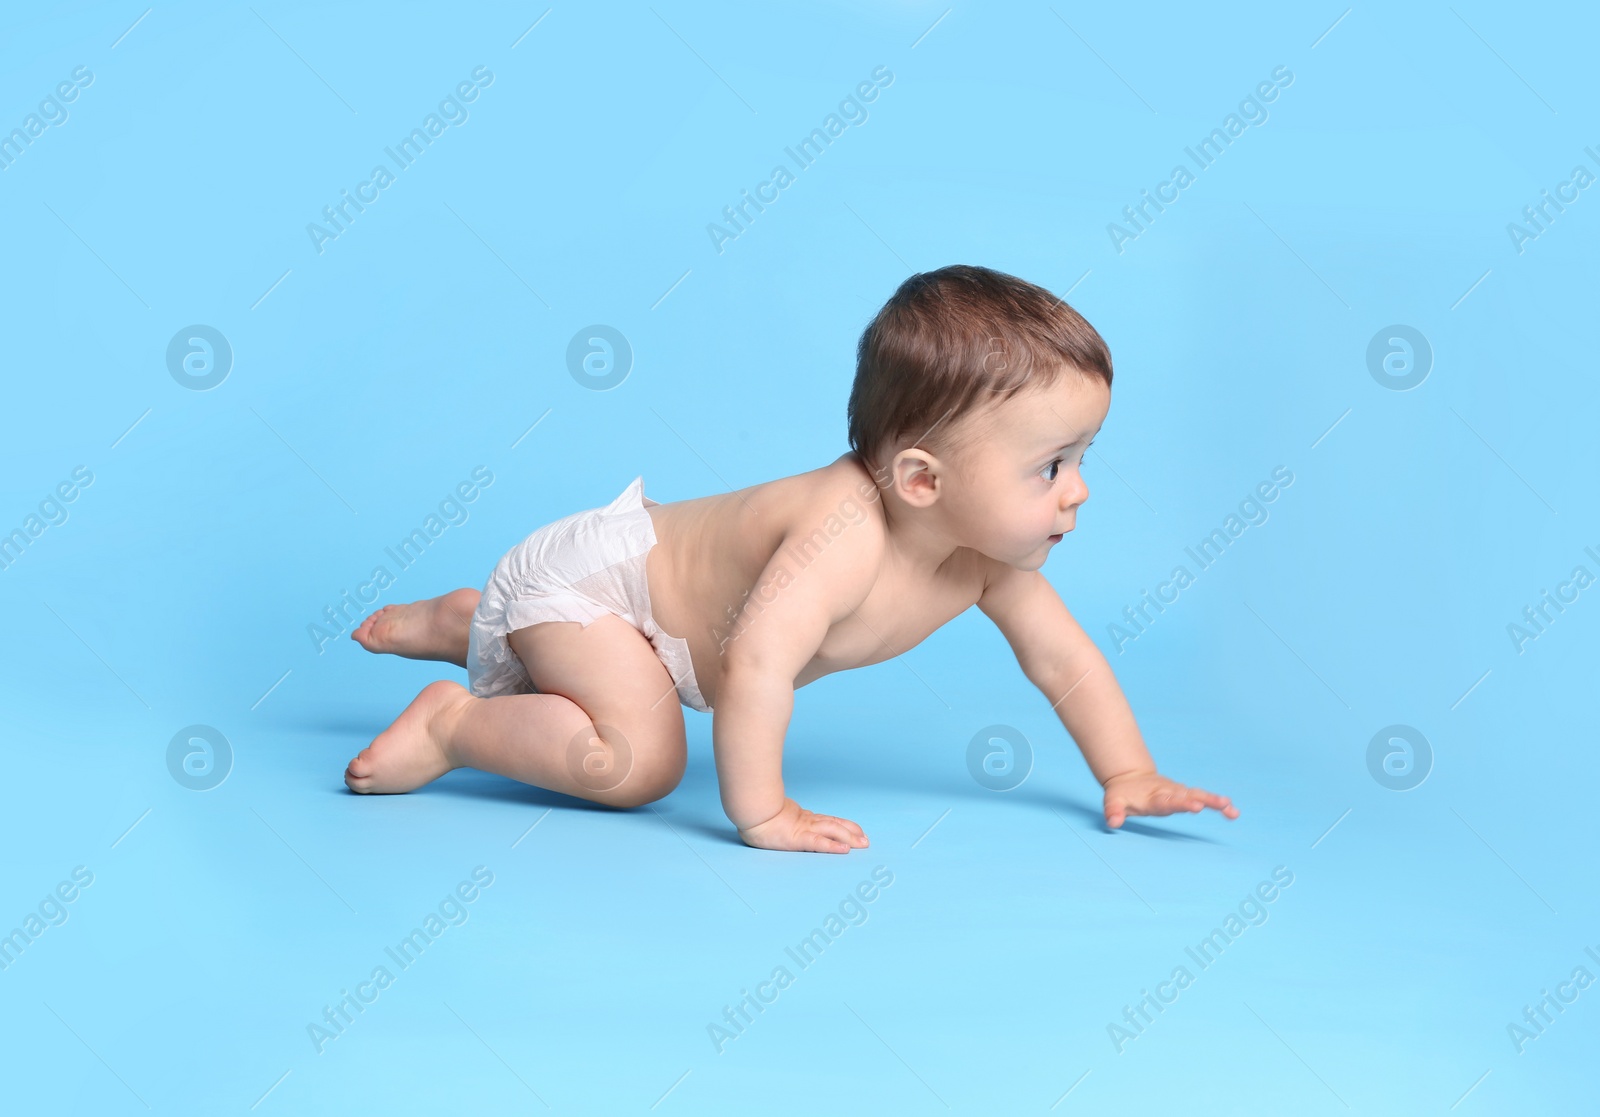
1017 485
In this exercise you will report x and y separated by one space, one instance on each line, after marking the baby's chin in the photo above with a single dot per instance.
1014 554
1031 561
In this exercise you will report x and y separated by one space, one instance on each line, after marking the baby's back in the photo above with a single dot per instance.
712 550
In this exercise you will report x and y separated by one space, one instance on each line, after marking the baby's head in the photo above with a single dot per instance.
976 395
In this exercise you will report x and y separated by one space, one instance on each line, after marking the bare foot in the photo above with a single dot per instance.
432 629
411 752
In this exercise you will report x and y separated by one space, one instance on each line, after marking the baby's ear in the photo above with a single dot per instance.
916 477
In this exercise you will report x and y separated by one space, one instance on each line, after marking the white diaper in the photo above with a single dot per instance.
579 568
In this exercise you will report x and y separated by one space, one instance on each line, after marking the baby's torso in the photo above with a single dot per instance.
710 552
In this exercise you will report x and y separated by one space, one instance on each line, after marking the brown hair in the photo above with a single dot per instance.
951 341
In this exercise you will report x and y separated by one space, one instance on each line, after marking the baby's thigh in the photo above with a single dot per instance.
611 671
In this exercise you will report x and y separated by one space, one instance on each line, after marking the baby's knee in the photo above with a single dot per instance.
639 789
651 776
632 769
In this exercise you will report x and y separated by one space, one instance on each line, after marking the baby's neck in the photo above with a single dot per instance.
919 537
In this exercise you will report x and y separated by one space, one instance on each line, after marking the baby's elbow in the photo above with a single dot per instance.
1056 677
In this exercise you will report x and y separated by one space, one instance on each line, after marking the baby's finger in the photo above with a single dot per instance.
1209 799
831 828
814 842
1187 799
845 822
857 835
1116 811
1182 798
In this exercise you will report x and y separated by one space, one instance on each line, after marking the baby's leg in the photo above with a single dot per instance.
431 629
606 727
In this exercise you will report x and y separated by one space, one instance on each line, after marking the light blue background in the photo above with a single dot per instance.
431 335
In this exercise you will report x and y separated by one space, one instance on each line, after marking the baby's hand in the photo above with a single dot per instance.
796 828
1152 793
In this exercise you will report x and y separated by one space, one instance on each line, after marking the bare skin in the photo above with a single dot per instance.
434 629
773 587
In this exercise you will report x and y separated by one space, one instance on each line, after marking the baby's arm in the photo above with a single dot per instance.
1058 657
787 614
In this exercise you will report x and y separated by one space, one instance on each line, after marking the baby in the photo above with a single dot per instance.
976 395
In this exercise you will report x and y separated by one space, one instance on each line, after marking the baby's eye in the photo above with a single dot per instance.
1051 471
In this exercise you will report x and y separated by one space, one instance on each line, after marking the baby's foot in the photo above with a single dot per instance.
411 752
432 629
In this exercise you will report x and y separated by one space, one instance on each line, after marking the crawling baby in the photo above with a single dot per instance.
976 396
